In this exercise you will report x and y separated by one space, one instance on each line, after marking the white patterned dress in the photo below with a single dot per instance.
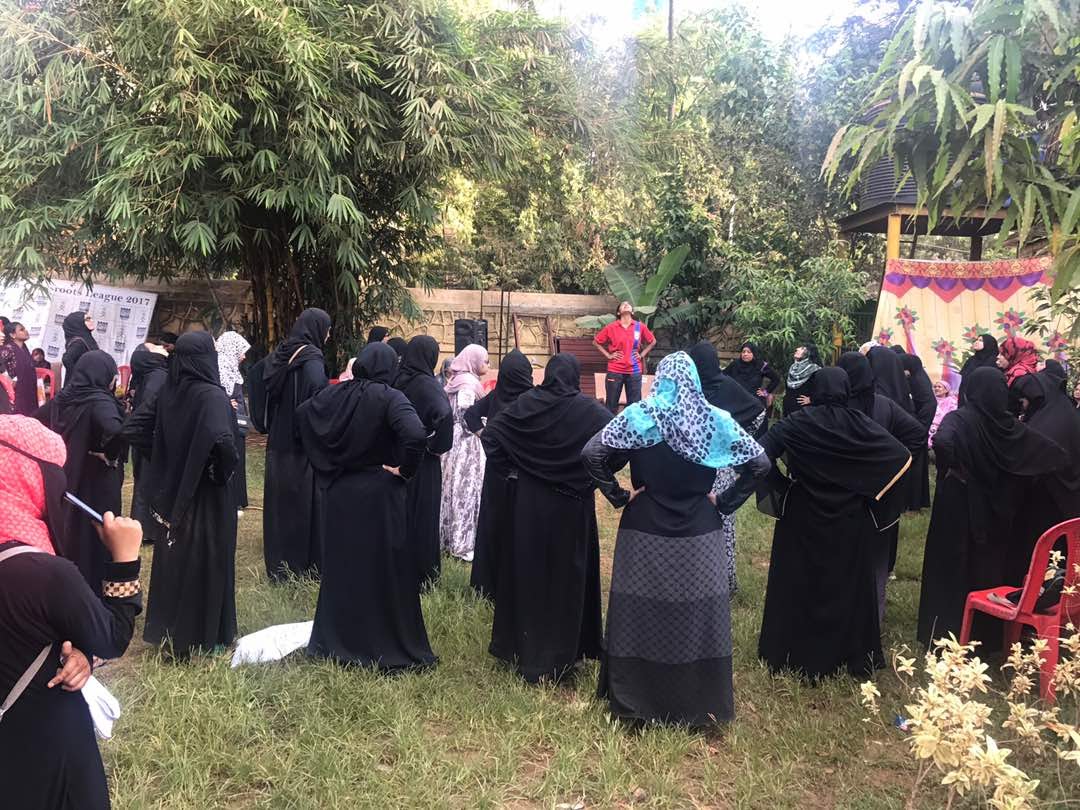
462 482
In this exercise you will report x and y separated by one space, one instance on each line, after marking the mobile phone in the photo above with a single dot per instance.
94 516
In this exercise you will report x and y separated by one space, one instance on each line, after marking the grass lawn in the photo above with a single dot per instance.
469 734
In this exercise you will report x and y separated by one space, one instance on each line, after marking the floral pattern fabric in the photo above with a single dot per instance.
725 478
462 482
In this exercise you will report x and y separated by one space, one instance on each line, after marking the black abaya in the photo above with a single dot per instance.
368 612
417 381
547 601
820 604
889 378
925 404
293 374
903 427
984 457
238 482
148 376
493 519
89 417
1054 498
192 601
22 369
891 382
48 752
547 605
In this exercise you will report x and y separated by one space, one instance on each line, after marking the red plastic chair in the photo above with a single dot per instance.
1047 625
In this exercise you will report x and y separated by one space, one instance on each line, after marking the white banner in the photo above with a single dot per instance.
122 315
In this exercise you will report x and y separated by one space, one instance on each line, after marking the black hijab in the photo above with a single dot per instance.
310 330
747 374
990 446
721 390
545 429
398 345
421 355
837 446
860 381
1052 413
922 389
811 352
515 378
889 379
193 416
75 327
377 333
146 366
341 424
417 381
986 357
1055 372
91 387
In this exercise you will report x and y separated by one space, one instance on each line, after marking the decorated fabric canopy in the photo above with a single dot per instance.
937 309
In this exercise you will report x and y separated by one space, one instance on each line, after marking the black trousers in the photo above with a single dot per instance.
614 383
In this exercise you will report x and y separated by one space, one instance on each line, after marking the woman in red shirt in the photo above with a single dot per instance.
624 342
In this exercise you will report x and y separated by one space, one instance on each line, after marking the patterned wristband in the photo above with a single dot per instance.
120 590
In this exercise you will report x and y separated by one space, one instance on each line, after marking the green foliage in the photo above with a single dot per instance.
978 102
299 144
780 307
334 153
645 294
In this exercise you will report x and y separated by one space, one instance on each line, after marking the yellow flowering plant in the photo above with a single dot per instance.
951 715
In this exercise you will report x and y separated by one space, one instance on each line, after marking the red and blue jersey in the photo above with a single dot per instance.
626 339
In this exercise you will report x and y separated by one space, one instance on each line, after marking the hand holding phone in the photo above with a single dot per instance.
122 537
84 508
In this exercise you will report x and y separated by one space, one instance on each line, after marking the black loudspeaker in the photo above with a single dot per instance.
467 330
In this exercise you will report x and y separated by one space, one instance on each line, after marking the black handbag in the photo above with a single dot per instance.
243 417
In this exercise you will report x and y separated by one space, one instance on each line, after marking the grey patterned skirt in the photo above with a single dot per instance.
668 643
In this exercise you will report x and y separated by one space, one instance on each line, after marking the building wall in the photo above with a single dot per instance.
535 319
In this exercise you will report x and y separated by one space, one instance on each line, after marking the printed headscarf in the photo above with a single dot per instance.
1022 357
231 348
676 412
466 370
802 370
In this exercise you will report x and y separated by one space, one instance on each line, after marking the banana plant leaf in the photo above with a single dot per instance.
594 321
624 284
669 268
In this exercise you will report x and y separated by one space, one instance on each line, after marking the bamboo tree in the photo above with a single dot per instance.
297 144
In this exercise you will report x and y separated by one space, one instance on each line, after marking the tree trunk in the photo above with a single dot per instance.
670 42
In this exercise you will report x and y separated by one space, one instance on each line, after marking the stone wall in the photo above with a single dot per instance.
190 304
533 322
535 319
